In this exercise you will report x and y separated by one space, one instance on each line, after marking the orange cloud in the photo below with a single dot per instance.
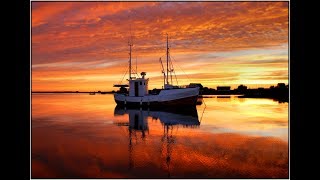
72 36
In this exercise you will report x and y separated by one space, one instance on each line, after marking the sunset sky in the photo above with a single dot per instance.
84 45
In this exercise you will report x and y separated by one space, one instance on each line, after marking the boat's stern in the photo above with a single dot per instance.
119 98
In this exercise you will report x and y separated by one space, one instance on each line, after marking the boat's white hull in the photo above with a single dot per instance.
180 97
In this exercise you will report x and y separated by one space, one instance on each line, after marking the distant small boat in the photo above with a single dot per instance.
92 93
223 96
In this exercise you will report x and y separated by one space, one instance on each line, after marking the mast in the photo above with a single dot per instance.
167 60
130 44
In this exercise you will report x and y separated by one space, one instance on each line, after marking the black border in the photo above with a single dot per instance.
21 168
298 121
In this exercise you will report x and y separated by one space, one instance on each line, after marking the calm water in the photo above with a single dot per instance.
87 136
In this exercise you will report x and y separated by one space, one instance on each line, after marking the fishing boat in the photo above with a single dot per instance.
136 92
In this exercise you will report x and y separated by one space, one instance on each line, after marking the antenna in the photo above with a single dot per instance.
130 43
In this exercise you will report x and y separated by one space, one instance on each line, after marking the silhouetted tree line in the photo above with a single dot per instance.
279 92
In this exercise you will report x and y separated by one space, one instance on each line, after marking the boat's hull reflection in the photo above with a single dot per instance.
167 116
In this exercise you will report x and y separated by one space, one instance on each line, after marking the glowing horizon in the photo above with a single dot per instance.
82 46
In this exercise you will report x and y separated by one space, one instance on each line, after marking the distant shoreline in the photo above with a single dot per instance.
281 98
76 92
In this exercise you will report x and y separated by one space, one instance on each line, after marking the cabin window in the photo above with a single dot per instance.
140 83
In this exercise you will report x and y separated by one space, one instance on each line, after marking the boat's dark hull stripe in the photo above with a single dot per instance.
178 102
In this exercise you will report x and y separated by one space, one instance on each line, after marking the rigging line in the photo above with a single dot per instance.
123 67
181 69
176 77
123 76
137 75
203 109
173 71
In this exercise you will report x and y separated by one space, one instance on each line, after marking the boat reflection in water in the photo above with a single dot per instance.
169 118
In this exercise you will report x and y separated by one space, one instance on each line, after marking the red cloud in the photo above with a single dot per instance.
64 32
